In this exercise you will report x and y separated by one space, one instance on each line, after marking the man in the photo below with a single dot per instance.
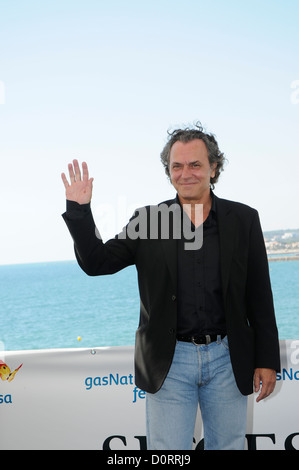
207 333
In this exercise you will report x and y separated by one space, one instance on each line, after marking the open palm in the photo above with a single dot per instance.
80 188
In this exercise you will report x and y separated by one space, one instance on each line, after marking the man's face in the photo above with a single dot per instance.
190 170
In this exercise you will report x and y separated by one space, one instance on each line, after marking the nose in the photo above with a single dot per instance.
186 173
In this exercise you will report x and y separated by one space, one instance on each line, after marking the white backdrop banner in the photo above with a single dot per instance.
87 399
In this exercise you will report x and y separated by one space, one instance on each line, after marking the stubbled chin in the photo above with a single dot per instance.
187 190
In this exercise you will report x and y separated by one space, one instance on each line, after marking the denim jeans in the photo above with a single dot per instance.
199 375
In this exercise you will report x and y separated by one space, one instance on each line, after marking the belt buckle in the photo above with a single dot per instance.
193 341
208 340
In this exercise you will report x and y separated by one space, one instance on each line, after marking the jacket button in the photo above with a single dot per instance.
173 297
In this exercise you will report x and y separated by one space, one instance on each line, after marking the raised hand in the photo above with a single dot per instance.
80 189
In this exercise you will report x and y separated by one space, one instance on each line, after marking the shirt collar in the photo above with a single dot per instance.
213 207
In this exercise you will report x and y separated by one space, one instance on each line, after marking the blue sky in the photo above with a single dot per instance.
104 81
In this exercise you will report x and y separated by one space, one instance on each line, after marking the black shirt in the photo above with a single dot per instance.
200 301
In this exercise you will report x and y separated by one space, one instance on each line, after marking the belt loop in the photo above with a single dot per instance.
208 339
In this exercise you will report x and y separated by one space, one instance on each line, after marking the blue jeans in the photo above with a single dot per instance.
198 375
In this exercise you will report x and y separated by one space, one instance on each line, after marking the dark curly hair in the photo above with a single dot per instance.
188 134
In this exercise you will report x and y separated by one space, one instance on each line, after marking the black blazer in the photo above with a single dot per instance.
251 326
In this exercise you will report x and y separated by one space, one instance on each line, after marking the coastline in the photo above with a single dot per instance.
283 255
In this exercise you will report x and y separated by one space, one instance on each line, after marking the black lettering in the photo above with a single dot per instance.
251 439
142 442
288 445
200 445
106 443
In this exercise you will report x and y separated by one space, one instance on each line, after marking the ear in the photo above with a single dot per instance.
213 170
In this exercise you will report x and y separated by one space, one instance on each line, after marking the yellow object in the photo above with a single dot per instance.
79 338
4 371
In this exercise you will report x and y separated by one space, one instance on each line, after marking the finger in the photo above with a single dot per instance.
257 382
266 390
264 394
85 171
77 170
261 396
65 181
71 173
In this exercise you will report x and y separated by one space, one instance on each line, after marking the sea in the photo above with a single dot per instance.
56 305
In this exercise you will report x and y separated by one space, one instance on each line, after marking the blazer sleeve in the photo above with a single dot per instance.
93 255
259 299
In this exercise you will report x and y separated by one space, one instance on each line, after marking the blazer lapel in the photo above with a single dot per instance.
169 245
227 233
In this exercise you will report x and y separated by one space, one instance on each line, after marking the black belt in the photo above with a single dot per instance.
199 339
